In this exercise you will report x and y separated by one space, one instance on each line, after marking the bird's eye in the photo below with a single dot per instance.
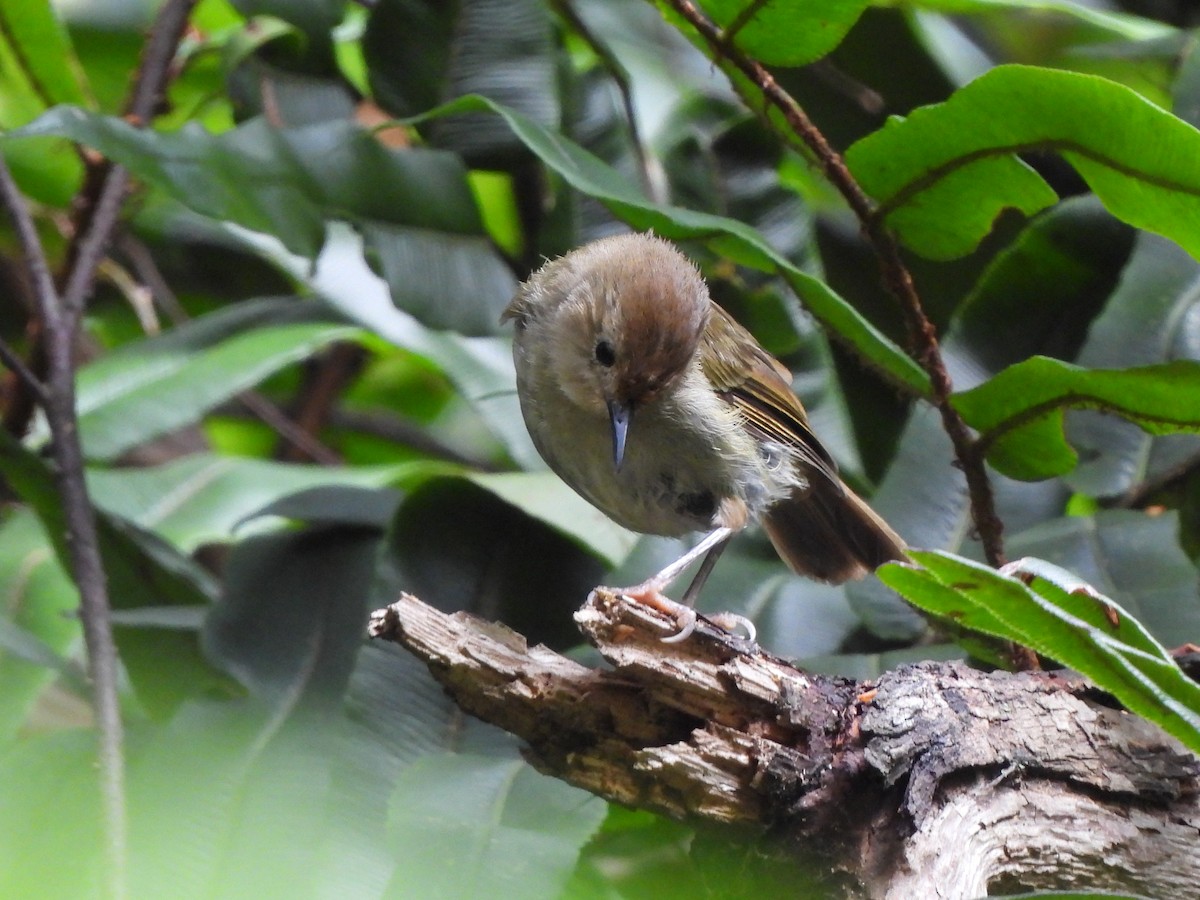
605 355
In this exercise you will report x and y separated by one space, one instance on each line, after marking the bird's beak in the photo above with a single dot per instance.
619 415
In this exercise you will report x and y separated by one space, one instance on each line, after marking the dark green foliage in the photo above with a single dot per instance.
350 269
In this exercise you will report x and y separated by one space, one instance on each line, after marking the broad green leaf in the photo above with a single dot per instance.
415 206
38 628
229 799
1131 556
721 159
36 52
1079 628
545 496
336 504
394 714
421 53
464 825
1019 413
789 33
591 176
38 69
1040 294
459 546
480 368
945 173
291 615
1150 318
50 807
1102 22
149 388
141 570
205 498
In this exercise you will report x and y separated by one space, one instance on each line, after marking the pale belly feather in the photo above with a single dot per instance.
676 471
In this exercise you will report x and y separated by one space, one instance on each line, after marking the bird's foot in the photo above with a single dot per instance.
685 617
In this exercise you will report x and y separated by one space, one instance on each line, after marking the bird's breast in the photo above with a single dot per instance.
686 455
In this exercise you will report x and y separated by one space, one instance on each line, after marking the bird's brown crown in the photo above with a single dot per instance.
650 307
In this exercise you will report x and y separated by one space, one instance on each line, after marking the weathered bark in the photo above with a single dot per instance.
933 781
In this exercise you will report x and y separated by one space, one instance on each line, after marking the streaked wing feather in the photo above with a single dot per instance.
763 395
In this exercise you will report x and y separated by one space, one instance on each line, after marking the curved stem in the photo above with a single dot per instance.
896 277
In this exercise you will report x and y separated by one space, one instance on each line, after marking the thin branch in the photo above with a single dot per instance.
896 277
148 272
325 378
136 294
12 360
60 316
91 244
624 85
153 282
1137 495
32 254
99 219
82 540
291 432
154 70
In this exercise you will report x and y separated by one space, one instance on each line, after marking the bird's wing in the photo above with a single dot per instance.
760 387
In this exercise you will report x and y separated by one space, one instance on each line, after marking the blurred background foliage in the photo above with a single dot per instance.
296 400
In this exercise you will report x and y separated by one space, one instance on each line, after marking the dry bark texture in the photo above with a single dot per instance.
933 781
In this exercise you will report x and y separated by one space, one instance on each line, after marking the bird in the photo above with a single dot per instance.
655 405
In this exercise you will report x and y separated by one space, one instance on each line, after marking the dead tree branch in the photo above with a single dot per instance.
935 780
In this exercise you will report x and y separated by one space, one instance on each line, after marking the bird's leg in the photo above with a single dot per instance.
706 567
650 591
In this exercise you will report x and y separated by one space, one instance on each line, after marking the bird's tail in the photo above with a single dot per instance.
828 532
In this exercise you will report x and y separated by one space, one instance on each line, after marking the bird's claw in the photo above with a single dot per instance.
685 617
732 622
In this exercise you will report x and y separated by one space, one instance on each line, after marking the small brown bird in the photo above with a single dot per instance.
657 407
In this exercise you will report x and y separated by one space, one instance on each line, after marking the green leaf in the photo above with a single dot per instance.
34 43
945 173
146 389
1020 412
1131 556
335 504
413 206
205 498
290 619
787 34
545 496
1103 24
480 368
1074 625
394 714
721 159
38 627
40 69
1149 319
141 570
1039 294
461 546
228 800
590 175
464 825
51 810
420 54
